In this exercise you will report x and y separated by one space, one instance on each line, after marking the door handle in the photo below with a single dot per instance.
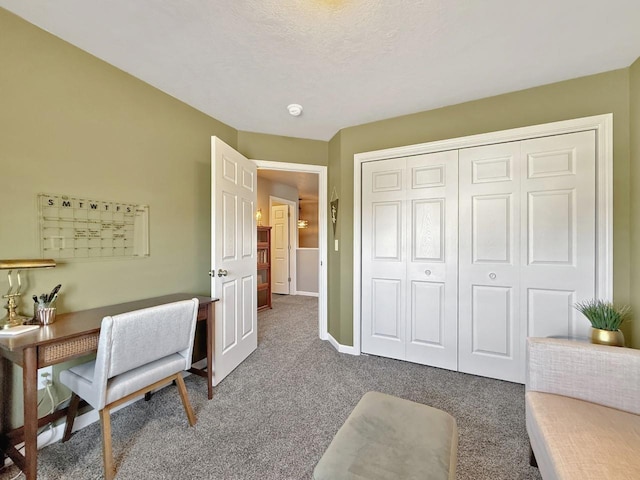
222 273
211 273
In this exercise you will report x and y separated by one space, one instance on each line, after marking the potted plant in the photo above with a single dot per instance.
605 320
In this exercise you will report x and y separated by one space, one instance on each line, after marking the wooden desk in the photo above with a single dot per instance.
72 335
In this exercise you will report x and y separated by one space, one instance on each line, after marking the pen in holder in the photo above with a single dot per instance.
44 310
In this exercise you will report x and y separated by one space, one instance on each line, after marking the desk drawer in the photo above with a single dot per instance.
60 352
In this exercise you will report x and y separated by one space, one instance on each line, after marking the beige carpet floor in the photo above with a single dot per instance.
274 416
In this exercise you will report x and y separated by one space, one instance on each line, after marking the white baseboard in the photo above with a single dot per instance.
79 423
55 433
307 294
348 349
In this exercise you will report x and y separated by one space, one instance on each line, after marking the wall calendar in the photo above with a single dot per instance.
81 228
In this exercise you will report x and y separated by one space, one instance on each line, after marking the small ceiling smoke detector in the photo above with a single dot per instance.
295 109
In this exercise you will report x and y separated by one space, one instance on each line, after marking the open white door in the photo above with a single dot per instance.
233 256
280 278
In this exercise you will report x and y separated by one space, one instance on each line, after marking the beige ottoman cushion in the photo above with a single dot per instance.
388 438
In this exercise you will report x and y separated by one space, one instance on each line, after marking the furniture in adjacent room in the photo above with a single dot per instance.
388 437
264 268
138 352
583 409
73 335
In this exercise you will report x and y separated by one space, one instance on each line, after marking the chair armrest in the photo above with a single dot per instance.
600 374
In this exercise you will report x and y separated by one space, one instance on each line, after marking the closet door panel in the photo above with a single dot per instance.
489 326
427 314
550 312
384 258
558 232
551 231
386 309
491 229
432 267
492 318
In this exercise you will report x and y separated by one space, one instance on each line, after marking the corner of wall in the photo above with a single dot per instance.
633 329
334 270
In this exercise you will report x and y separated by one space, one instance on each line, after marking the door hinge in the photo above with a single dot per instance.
289 279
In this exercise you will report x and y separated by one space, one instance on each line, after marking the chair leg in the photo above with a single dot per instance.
72 411
107 454
185 400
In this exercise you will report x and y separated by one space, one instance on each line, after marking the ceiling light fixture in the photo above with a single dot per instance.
295 109
301 223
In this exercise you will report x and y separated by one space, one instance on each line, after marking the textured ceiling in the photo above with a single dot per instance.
347 62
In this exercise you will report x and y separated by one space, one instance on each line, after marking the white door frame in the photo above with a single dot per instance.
603 127
323 196
293 238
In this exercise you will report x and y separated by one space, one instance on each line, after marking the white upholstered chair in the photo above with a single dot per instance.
138 352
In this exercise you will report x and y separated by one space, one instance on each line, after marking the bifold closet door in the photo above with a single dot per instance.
432 263
384 269
527 247
409 259
489 275
559 236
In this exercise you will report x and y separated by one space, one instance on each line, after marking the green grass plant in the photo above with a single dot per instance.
603 315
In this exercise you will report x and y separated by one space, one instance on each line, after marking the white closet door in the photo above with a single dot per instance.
432 259
409 258
527 247
558 236
384 269
489 271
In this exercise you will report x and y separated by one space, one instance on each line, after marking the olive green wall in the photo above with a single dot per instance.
73 124
333 257
634 102
259 146
593 95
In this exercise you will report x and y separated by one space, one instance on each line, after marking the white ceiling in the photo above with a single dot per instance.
347 62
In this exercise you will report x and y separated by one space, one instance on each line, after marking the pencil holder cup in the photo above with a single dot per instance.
46 316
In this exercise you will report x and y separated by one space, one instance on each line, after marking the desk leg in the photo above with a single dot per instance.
30 389
210 339
6 370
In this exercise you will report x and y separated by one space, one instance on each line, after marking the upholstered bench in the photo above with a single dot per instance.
388 438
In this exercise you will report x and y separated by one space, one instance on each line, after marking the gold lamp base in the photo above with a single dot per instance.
607 337
13 318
